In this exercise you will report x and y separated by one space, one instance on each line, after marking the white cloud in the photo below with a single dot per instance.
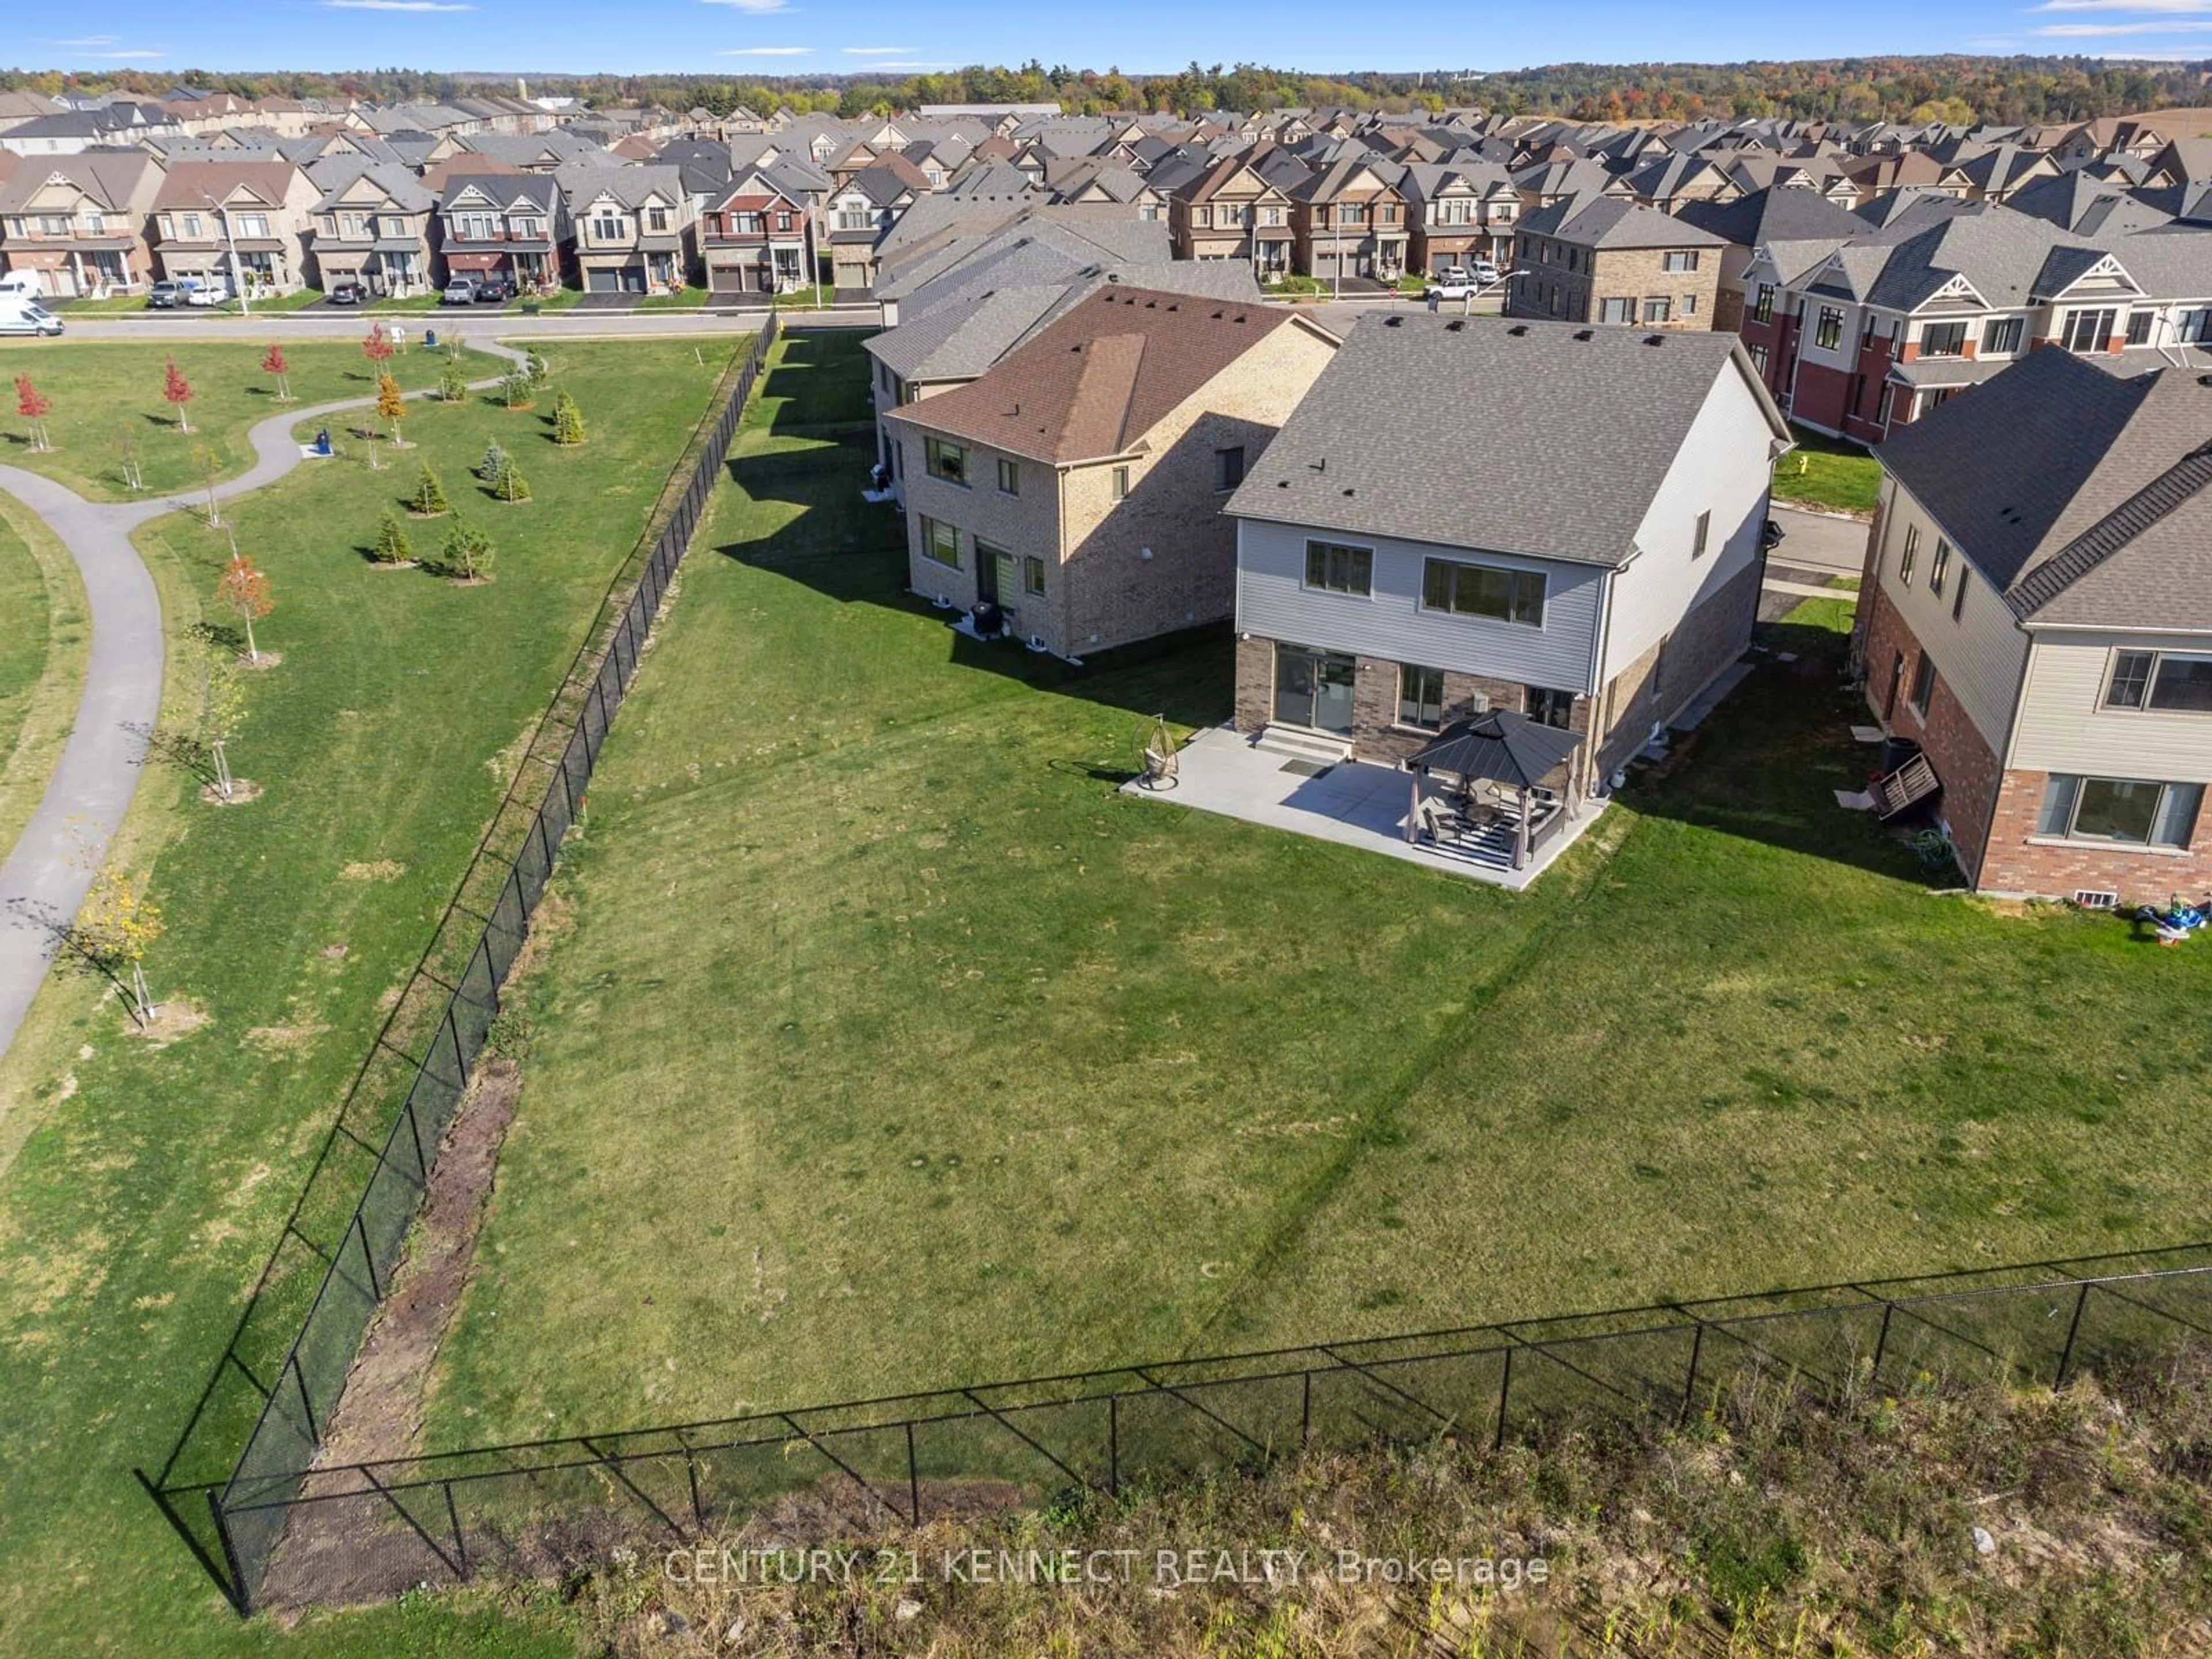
88 40
876 52
2099 31
905 64
395 5
756 7
766 52
2166 7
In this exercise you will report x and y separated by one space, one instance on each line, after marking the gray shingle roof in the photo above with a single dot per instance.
1382 444
1614 221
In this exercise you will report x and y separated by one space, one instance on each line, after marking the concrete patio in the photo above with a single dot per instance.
1352 803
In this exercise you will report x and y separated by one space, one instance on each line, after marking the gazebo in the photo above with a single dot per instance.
1498 747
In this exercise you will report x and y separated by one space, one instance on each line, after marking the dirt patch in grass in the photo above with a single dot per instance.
179 1017
376 870
242 790
283 1039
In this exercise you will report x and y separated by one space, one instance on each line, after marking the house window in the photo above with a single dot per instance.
1010 476
1923 685
1689 305
1229 467
1763 310
1758 360
855 216
744 224
1943 340
1828 334
2001 336
656 218
1911 549
1484 590
1682 259
1698 537
2089 330
1420 697
192 226
948 461
2139 324
253 225
1032 575
1939 567
1548 708
2195 327
940 543
1616 311
1959 595
1336 568
1657 309
2131 811
2166 682
1121 484
606 227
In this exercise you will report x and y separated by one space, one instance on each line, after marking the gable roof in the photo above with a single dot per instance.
1780 212
1092 384
1380 446
1615 222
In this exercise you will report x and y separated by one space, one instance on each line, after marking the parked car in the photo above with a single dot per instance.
461 291
19 315
494 290
205 291
164 295
1486 274
346 293
1450 286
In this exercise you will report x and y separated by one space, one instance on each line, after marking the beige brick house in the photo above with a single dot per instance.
2040 623
1605 260
1077 487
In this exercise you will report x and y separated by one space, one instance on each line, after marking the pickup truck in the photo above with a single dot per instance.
461 291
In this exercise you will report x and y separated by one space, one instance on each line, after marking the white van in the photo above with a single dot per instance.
18 285
20 316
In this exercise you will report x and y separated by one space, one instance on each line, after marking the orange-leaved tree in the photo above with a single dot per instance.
244 592
179 391
274 364
377 348
34 405
391 406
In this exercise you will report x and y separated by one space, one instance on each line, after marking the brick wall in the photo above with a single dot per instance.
2016 862
1255 682
1637 273
1659 683
1962 758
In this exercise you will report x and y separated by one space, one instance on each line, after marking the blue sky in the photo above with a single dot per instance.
793 37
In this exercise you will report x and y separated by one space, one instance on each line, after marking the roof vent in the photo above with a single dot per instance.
1282 483
1585 334
1519 331
1347 489
1654 339
1454 325
2204 379
1392 322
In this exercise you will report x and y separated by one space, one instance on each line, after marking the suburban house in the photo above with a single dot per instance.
634 227
1458 213
241 223
514 225
77 223
755 240
1802 225
2040 625
1392 576
1349 222
373 227
1606 259
1075 490
1230 211
859 214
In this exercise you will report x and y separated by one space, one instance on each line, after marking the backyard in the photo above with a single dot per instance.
1827 472
107 396
881 1045
143 1180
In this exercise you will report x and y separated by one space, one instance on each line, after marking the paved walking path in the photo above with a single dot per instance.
43 881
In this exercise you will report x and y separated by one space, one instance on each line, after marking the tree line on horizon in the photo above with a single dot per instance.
1956 88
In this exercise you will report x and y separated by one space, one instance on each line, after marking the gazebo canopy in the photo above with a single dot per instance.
1501 746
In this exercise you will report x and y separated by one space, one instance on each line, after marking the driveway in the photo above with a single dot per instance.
1814 541
43 881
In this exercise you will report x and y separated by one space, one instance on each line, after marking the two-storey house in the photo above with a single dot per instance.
636 228
1458 212
1071 496
858 215
77 223
755 240
244 224
1231 211
511 225
373 227
1348 220
1606 259
1394 576
2037 617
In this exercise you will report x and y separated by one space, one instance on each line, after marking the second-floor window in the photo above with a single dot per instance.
948 461
251 225
354 226
2001 336
2169 682
1762 310
192 225
1616 311
1484 590
2139 324
1351 213
606 227
744 224
855 216
1334 568
1912 552
1010 476
1943 340
1681 259
2090 330
1828 334
1939 567
656 218
2195 326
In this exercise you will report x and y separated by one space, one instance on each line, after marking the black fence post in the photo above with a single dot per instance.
1305 1410
453 1520
691 1479
240 1592
2073 1329
913 1476
307 1406
1504 1393
368 1255
1690 1385
1114 1444
1881 1341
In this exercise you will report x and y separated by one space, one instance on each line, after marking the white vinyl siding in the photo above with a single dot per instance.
2065 726
1979 653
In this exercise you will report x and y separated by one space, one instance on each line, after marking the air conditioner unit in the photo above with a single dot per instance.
2088 898
1036 643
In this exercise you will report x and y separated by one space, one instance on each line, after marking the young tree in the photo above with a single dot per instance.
274 364
452 384
377 348
568 421
535 365
209 464
126 446
222 706
392 544
179 391
114 929
511 486
493 462
467 552
34 405
390 407
428 500
244 592
516 390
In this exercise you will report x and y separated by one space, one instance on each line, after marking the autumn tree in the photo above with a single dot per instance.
115 927
428 500
274 364
568 421
34 405
179 391
390 407
244 592
377 348
392 545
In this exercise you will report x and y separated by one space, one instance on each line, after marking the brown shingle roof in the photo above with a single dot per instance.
1096 381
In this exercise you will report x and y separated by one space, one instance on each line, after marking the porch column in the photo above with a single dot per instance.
77 270
1521 833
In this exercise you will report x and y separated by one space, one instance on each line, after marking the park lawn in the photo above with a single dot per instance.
141 1187
45 639
104 391
883 1046
1823 471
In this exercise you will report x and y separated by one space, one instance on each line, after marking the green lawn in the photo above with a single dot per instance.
44 642
888 1046
685 299
108 393
1828 472
140 1186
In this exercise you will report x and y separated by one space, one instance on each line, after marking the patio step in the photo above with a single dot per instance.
1294 744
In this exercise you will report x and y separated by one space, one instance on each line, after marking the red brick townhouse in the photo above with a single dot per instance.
1863 339
2039 621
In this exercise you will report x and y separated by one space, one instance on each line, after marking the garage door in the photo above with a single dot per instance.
603 282
725 279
